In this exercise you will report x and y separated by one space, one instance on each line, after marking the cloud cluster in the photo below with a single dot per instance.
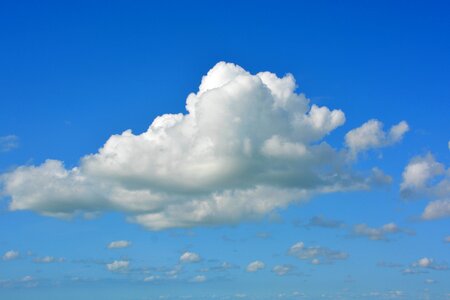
426 177
379 233
248 144
429 263
316 254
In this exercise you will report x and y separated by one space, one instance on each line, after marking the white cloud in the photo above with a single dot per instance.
437 209
371 135
425 177
419 178
282 269
48 259
119 244
151 278
10 255
190 257
8 142
199 279
447 239
255 266
249 144
379 233
429 263
316 254
118 265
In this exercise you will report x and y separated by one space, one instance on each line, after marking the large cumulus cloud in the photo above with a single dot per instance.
247 145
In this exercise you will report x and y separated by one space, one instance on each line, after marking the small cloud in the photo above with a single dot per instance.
48 259
371 135
282 269
119 244
447 239
8 142
255 266
429 281
198 279
151 278
429 263
379 234
321 221
10 255
316 254
189 257
118 265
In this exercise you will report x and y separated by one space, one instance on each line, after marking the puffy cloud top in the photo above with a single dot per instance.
371 135
247 145
189 257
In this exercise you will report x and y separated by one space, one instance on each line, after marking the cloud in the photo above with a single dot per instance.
255 266
282 269
8 143
248 145
48 259
199 279
190 257
371 135
321 221
426 177
447 239
119 244
437 209
10 255
151 278
118 265
316 254
429 263
378 234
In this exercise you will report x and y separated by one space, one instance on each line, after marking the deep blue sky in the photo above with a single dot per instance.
74 73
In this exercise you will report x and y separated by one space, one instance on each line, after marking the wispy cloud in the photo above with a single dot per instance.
8 142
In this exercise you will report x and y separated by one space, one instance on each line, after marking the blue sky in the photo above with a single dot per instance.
331 182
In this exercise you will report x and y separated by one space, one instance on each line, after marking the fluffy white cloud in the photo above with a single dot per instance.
247 145
10 255
371 135
189 257
119 244
425 177
379 233
118 265
255 266
316 254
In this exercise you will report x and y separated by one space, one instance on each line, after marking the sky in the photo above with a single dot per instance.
224 150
